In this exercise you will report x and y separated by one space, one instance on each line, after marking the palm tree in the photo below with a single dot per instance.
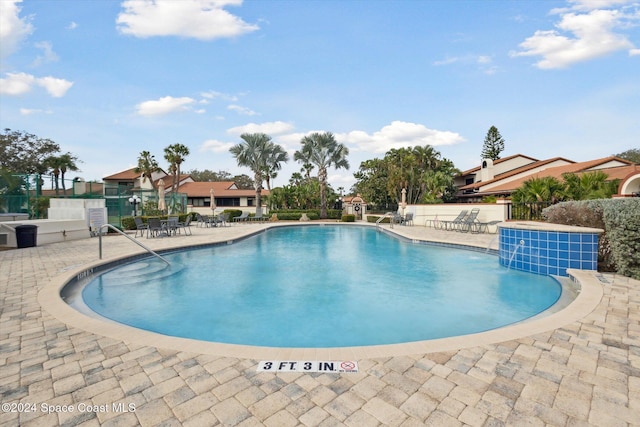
589 185
323 151
253 153
67 162
54 163
175 155
274 161
537 190
147 166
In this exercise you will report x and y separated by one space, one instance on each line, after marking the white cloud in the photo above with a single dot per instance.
72 26
216 146
200 19
20 83
270 128
30 111
16 84
13 29
584 32
218 95
55 87
48 55
634 52
398 135
241 110
164 105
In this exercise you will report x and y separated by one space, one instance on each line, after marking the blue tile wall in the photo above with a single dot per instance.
547 252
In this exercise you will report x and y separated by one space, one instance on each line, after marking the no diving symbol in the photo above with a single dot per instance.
348 366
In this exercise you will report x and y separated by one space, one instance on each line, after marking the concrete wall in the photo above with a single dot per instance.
426 215
49 231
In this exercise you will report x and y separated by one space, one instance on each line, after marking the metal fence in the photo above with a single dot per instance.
528 211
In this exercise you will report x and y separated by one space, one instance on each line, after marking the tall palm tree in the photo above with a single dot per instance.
54 163
147 166
253 153
175 155
323 151
67 162
274 161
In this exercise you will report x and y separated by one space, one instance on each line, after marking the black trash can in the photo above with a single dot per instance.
27 236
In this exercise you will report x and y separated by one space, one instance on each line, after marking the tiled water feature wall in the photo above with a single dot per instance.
544 248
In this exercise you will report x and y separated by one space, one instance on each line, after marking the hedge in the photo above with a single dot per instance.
619 245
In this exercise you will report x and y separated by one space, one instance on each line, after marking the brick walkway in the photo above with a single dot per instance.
585 372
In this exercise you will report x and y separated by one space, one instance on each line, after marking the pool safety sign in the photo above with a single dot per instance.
336 367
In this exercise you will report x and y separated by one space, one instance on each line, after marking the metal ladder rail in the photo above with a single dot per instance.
388 214
128 237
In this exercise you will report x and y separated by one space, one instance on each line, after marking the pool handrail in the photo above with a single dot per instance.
388 214
128 237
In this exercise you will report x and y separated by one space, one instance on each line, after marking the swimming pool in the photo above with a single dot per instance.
319 286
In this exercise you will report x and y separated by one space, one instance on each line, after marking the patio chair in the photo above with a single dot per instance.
258 218
451 225
483 227
140 226
396 218
186 226
468 224
172 225
223 219
408 219
242 218
155 228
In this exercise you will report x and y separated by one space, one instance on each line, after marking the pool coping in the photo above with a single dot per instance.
589 295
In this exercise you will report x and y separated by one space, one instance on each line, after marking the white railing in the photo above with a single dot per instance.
128 237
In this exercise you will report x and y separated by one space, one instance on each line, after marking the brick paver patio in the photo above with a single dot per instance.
585 372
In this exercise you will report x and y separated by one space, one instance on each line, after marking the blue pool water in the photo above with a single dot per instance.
319 286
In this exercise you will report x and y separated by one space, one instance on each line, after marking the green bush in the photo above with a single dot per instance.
348 218
311 213
619 245
375 218
128 223
295 216
622 219
232 213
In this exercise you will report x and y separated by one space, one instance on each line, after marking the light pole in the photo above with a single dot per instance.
135 201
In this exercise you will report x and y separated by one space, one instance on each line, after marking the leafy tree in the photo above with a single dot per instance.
25 153
633 155
242 181
147 166
426 176
493 144
253 153
323 151
175 155
371 183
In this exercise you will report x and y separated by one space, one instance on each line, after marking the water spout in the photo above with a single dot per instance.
515 251
490 243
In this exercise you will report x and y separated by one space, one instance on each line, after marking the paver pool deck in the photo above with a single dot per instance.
580 366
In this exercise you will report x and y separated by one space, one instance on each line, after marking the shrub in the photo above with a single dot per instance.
622 219
295 215
233 213
619 245
348 218
375 218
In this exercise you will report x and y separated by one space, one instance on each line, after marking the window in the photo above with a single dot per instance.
228 201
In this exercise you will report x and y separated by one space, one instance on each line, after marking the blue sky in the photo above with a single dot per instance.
107 79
